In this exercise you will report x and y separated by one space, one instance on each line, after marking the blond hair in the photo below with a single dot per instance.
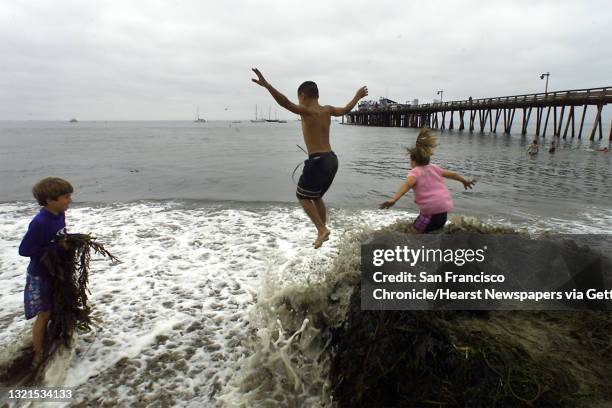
423 148
50 188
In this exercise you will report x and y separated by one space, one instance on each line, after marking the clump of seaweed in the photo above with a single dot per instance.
318 348
470 358
68 264
449 359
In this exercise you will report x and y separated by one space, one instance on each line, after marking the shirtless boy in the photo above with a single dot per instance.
322 164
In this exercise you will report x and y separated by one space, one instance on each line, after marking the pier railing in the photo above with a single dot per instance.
591 96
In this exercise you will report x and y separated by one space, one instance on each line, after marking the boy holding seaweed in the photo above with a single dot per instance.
54 196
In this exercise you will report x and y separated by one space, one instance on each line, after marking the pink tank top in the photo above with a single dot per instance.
430 192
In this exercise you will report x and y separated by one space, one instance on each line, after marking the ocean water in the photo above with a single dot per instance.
248 162
205 222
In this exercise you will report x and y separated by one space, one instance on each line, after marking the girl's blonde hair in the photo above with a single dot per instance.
423 149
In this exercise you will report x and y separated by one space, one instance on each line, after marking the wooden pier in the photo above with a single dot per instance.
551 109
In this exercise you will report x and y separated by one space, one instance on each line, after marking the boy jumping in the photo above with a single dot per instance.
322 164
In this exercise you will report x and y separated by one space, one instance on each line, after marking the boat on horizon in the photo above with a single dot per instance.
257 120
73 120
275 116
198 119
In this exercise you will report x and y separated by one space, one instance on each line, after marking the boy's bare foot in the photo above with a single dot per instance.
321 237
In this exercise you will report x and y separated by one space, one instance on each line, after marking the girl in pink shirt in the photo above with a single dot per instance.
427 181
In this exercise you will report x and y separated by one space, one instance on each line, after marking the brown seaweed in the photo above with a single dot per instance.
457 359
68 265
471 358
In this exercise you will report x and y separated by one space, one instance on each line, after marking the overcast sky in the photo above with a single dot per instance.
147 60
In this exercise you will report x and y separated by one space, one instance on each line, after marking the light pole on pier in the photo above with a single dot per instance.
440 92
542 77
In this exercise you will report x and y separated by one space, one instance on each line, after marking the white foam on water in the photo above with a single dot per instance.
174 313
178 315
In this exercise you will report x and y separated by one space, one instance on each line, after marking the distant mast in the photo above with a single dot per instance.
198 119
257 120
270 115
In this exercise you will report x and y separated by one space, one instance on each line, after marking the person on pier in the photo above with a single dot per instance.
427 181
322 164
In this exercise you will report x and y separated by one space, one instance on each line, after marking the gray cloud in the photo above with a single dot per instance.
161 59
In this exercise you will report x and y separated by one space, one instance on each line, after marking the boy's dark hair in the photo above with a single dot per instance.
50 188
309 89
423 148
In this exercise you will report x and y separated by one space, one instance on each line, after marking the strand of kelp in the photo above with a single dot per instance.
68 265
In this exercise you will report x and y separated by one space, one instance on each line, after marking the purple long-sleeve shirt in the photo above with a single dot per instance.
42 232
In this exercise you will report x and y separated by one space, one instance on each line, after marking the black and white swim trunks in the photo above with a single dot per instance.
318 174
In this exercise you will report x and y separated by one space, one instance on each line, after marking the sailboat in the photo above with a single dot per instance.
269 116
257 120
198 118
277 119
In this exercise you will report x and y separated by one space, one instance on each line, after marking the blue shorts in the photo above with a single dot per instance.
37 295
318 174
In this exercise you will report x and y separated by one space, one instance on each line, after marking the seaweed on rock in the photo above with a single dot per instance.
471 358
449 359
316 347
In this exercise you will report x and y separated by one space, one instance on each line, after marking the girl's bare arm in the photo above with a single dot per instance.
454 176
403 189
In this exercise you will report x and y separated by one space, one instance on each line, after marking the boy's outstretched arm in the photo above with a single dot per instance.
281 99
361 93
403 189
454 176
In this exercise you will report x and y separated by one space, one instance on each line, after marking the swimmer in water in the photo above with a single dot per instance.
533 148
